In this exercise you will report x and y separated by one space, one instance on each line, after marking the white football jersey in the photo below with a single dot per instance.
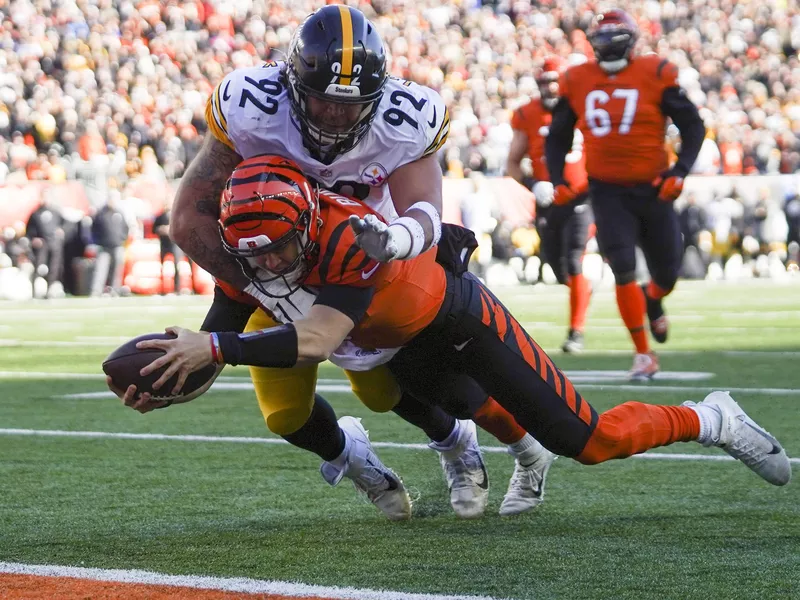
250 112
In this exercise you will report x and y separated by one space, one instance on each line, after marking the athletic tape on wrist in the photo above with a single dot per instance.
430 210
409 237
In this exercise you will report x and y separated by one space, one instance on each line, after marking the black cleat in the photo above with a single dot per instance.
574 342
659 324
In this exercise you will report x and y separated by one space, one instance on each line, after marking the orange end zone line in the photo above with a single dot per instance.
38 587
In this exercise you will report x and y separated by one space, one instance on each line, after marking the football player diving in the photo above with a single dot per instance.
333 109
451 328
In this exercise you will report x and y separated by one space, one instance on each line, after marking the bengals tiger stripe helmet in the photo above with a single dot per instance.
266 205
613 35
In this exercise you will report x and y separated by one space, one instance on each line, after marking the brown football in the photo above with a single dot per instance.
124 363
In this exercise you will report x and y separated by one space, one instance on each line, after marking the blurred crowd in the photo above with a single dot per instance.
122 85
109 92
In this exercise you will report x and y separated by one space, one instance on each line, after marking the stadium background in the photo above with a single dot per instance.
102 102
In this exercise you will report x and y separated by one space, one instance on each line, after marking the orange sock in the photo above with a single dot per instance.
634 427
498 421
632 307
655 291
579 294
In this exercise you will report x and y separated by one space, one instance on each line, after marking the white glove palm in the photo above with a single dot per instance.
544 192
374 237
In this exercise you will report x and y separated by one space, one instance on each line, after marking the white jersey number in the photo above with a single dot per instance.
598 119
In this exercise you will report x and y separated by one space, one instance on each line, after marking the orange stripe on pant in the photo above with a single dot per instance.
634 427
537 358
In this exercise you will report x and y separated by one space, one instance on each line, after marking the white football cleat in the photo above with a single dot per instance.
526 488
465 472
745 440
369 475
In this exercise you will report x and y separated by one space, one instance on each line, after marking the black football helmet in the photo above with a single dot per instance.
613 35
336 55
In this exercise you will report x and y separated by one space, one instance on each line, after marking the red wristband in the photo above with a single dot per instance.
216 352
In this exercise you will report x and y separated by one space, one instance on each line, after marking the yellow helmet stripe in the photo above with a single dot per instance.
347 45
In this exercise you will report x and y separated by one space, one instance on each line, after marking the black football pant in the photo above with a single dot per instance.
629 215
564 231
475 348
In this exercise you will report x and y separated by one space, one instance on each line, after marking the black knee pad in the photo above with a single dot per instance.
574 262
623 264
625 277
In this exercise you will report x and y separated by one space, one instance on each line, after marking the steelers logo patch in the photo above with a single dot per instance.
374 174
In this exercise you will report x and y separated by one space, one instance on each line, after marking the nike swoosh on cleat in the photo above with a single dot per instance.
776 447
393 485
484 485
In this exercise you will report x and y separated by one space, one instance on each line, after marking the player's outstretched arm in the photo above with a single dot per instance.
196 210
417 195
306 341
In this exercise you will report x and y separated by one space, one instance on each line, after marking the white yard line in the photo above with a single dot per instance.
229 584
644 388
586 380
162 437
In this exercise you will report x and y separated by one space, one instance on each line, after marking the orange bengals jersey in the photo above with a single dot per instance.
534 121
408 293
620 117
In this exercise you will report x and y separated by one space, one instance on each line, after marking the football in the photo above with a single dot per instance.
124 363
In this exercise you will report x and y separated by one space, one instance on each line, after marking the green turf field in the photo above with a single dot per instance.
634 529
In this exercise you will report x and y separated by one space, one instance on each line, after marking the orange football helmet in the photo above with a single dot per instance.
268 204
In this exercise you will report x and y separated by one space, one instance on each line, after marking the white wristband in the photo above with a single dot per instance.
433 214
409 236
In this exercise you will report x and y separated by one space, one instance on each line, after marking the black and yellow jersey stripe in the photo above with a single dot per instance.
441 136
215 117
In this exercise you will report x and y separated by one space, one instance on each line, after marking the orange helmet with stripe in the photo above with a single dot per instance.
267 207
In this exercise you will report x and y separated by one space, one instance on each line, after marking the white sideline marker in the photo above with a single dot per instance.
228 584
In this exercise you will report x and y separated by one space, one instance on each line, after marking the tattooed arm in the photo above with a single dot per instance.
196 210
